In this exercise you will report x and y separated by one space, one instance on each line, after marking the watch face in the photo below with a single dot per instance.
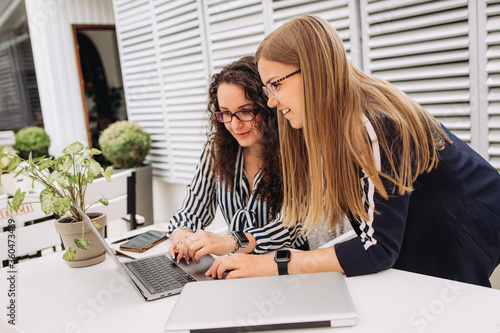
282 254
241 237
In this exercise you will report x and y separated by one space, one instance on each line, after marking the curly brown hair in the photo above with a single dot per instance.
224 146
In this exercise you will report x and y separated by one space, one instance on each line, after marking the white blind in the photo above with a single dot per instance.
169 49
429 49
493 80
184 72
165 79
423 48
340 13
234 30
135 33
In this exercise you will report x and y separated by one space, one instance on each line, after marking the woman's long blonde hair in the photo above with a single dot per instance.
322 162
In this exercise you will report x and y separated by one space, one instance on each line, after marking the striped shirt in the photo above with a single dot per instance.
240 208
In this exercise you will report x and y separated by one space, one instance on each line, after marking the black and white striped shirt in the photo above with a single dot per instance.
241 210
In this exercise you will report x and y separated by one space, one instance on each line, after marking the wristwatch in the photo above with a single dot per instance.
282 257
240 240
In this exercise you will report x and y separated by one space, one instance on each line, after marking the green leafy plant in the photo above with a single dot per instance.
32 140
65 181
5 160
125 144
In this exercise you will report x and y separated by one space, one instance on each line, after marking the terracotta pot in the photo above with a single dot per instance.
69 232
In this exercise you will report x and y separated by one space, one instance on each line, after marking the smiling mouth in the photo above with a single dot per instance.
285 111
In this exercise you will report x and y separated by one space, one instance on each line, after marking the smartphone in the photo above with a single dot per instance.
144 241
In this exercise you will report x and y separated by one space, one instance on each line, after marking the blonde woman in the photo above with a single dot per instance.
355 146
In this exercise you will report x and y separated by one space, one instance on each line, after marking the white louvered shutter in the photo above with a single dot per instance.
165 79
234 29
422 47
135 33
492 75
340 13
183 68
429 49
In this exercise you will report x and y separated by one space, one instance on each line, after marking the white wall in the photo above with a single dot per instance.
167 198
55 63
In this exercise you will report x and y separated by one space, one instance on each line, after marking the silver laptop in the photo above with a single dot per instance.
155 276
264 303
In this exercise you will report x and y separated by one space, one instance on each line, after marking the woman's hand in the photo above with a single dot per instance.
178 238
243 265
203 242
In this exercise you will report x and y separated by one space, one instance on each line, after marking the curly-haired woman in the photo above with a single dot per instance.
239 170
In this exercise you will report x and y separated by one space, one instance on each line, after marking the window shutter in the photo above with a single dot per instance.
234 29
492 75
183 69
422 47
340 13
165 78
429 49
135 33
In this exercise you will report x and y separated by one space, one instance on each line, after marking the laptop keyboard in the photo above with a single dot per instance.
159 274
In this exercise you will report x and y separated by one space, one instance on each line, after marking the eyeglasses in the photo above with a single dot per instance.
227 117
270 88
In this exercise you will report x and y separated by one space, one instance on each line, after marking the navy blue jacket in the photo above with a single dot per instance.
448 227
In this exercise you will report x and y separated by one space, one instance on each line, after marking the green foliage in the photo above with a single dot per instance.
4 162
125 144
8 161
83 243
64 179
34 140
70 254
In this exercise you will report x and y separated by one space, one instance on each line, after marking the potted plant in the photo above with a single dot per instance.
32 140
126 145
64 181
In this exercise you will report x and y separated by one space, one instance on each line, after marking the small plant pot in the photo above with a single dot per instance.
69 232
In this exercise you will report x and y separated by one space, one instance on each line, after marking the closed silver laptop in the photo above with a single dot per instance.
263 303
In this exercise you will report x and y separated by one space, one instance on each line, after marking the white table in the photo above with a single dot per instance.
52 297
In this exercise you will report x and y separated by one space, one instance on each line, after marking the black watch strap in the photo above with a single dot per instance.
282 257
282 268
